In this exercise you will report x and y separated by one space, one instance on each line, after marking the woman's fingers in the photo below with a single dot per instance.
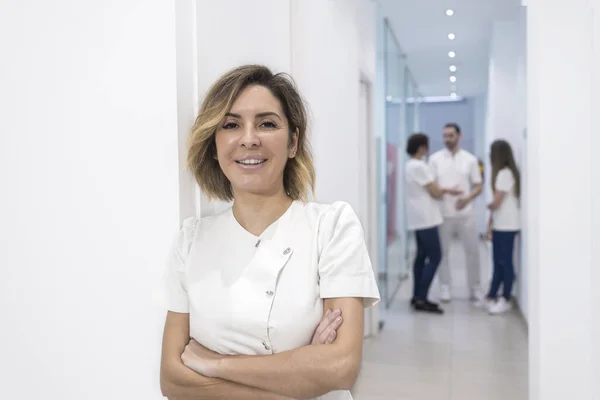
331 337
335 321
321 328
331 322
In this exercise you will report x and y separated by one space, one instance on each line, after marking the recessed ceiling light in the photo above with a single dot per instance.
452 79
451 36
449 12
451 54
453 68
453 95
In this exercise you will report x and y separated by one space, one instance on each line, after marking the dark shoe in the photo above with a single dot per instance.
436 305
428 307
413 301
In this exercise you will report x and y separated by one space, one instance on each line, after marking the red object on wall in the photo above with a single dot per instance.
391 191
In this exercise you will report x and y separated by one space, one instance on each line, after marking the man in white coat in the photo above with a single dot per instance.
456 168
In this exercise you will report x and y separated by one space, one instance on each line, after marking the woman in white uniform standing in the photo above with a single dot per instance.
424 218
504 224
246 289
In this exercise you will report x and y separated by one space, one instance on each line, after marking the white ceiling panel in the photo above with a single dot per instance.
422 29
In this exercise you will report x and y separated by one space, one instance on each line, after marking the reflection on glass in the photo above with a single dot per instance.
393 268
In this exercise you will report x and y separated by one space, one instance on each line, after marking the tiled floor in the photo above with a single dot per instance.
462 355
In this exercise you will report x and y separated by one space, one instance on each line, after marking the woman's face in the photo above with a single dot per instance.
253 143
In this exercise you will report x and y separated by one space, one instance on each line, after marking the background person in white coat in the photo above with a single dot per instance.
424 218
456 168
246 289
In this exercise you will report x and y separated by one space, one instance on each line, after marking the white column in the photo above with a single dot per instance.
89 178
187 101
563 302
595 271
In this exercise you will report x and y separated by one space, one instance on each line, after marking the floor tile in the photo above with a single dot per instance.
464 354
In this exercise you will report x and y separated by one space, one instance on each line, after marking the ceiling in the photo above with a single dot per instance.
422 28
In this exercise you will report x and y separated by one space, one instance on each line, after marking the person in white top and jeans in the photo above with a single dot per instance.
456 168
424 218
504 224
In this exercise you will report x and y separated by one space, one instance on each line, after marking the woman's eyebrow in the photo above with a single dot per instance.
259 115
268 114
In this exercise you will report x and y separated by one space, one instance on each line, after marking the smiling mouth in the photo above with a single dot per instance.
252 161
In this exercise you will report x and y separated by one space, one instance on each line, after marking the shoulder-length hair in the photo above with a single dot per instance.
501 156
299 172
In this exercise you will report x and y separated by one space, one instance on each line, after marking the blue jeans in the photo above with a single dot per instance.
503 245
429 256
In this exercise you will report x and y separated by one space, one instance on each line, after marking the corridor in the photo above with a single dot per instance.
462 355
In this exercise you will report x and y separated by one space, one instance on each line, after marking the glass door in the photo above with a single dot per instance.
393 242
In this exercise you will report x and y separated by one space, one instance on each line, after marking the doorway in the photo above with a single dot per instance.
368 177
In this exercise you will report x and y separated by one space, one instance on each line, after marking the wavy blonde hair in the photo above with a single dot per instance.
299 172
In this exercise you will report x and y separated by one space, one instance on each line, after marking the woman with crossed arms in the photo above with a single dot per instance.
246 289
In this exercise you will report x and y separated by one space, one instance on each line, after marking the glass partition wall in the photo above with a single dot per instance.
400 90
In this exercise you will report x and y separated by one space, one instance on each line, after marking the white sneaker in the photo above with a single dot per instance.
476 296
445 294
484 303
501 306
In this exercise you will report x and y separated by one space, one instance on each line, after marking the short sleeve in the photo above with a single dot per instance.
345 268
505 181
433 166
421 174
475 172
172 291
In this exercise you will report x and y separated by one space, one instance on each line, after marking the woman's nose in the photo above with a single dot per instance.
250 137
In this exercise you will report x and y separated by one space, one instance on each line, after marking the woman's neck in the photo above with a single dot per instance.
257 212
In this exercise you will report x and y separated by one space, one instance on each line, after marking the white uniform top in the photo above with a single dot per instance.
422 210
459 170
265 299
507 216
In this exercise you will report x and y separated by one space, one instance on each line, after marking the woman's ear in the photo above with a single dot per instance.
294 144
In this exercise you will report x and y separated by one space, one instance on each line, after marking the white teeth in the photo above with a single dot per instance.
251 162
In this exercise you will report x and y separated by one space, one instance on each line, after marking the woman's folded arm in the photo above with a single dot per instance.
178 382
308 371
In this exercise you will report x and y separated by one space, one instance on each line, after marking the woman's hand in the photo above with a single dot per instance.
327 330
454 191
200 359
462 203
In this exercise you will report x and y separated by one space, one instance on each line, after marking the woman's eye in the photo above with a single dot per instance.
269 125
230 125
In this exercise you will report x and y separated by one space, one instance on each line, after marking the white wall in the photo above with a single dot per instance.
187 101
89 174
563 88
506 119
330 80
481 151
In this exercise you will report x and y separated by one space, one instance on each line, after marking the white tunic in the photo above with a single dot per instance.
422 210
507 216
459 170
263 295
